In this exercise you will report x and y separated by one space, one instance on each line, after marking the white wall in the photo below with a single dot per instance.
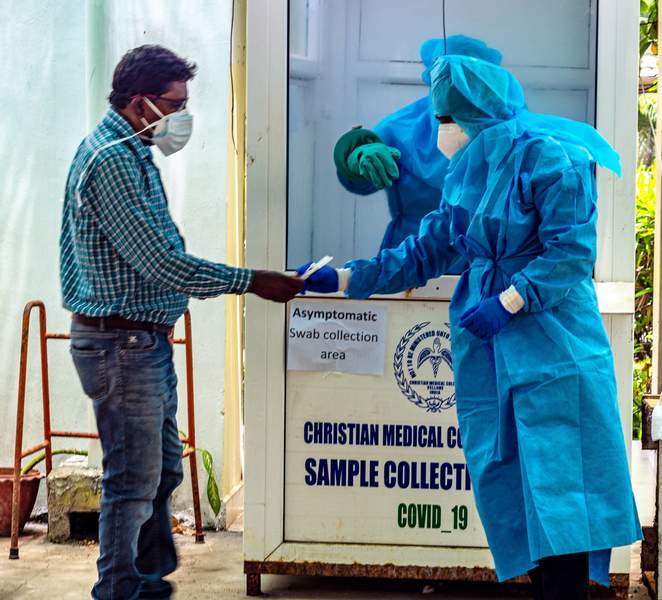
57 62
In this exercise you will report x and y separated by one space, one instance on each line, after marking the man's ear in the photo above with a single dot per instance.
137 106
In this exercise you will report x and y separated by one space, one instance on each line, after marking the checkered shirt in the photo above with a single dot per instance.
120 251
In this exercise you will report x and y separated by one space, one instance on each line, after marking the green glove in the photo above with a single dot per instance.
375 162
360 156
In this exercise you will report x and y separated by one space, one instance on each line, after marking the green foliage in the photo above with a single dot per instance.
212 488
643 330
647 122
213 495
647 26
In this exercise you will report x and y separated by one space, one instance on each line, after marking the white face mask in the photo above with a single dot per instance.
171 132
450 138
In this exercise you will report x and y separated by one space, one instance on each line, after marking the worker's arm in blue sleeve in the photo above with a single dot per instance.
566 204
416 260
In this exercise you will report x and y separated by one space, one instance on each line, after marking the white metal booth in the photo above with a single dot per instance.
338 481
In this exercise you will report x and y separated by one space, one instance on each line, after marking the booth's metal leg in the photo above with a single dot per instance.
253 584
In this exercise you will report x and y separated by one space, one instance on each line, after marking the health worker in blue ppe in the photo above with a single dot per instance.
534 374
400 154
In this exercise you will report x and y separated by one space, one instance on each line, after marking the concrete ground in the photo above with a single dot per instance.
214 570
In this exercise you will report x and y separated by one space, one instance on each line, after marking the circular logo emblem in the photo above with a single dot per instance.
423 367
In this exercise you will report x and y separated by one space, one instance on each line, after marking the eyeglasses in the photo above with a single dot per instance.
177 105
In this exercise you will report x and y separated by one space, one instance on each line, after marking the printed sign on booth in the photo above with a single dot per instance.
376 458
333 336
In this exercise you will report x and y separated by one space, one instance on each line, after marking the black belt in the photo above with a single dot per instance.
115 322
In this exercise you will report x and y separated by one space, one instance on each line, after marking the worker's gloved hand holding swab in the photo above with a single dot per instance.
305 271
321 278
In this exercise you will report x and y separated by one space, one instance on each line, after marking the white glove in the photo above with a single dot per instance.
344 275
511 300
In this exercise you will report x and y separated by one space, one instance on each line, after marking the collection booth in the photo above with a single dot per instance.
354 464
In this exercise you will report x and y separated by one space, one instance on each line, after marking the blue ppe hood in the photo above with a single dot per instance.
479 95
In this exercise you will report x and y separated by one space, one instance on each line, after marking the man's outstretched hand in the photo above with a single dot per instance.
275 286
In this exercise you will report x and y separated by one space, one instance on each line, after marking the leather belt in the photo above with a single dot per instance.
117 322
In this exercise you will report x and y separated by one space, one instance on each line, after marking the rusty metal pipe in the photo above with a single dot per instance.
35 448
75 434
190 408
20 414
58 336
46 444
193 464
190 392
45 388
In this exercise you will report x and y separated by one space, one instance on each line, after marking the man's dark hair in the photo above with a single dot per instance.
147 69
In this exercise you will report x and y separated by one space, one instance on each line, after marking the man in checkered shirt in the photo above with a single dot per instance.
127 278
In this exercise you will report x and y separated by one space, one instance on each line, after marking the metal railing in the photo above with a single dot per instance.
46 444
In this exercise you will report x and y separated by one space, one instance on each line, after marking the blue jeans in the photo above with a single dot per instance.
130 377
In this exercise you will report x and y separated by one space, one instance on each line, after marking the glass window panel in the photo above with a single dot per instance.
366 66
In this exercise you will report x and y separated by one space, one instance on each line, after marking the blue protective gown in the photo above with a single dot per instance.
537 405
413 131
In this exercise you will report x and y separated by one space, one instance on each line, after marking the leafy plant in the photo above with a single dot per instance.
647 26
647 123
643 330
213 495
